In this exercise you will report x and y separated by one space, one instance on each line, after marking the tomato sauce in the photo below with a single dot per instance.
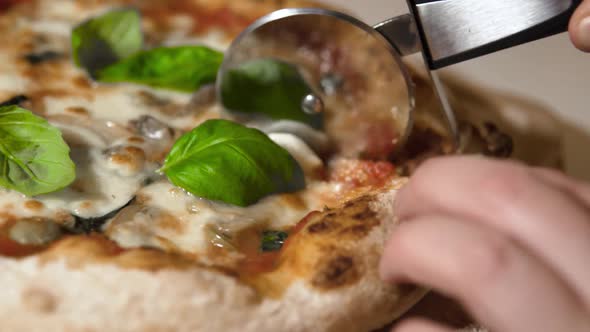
362 173
221 18
381 141
205 18
11 248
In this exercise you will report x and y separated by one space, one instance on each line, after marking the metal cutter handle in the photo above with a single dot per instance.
452 31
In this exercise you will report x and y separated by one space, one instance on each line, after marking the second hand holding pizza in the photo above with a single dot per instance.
508 241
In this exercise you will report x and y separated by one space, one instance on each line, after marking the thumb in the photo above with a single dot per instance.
579 27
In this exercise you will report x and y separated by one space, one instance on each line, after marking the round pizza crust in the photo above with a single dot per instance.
326 281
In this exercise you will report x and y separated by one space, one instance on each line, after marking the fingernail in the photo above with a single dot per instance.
584 33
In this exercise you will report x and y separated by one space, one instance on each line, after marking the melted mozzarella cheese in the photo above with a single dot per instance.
309 161
54 27
11 81
99 188
214 39
17 205
173 219
164 216
119 105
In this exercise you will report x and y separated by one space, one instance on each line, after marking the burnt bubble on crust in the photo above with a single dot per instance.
37 58
498 144
91 225
355 220
16 100
336 271
324 225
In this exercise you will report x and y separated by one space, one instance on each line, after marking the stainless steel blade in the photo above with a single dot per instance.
452 27
402 33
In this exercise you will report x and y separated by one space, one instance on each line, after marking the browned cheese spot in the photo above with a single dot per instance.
83 250
39 300
136 139
130 156
34 205
78 186
63 217
337 271
82 82
86 205
169 222
293 200
141 198
76 110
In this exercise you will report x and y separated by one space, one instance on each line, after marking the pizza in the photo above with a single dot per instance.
124 208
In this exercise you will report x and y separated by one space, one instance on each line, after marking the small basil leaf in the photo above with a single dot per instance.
104 40
34 158
183 68
273 240
270 87
224 161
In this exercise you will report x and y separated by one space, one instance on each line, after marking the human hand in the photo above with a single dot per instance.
510 242
580 27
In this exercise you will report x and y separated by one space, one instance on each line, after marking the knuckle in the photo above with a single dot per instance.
402 242
424 182
506 183
492 260
432 168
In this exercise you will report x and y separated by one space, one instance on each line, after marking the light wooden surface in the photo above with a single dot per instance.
550 71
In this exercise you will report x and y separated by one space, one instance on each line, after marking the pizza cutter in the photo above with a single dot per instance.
356 68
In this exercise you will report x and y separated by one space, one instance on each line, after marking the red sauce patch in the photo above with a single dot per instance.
205 18
362 173
255 261
220 18
260 262
381 141
10 248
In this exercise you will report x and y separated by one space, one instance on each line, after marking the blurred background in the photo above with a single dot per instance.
549 71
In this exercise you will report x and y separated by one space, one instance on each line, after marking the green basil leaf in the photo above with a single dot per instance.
104 40
273 240
183 68
270 87
34 158
225 161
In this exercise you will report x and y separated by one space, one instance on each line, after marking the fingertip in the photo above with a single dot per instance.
580 27
419 325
